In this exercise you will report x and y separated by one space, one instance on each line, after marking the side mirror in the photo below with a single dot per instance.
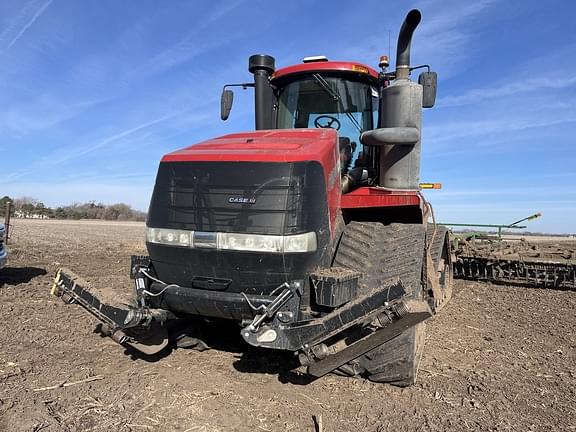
226 104
429 83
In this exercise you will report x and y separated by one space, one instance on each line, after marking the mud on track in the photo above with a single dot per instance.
496 358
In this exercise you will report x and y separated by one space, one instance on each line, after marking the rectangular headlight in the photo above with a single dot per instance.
250 242
232 241
300 243
170 237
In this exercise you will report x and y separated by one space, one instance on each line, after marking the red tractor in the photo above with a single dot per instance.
310 232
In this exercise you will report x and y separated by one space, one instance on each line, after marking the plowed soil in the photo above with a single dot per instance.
496 358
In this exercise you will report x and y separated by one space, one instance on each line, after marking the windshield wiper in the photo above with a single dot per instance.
326 87
334 95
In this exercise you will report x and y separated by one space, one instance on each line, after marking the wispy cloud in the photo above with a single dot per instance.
442 39
116 137
189 46
509 89
457 130
111 178
101 76
446 32
60 157
42 112
21 23
181 52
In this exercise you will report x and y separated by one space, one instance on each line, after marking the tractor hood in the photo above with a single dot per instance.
283 145
255 186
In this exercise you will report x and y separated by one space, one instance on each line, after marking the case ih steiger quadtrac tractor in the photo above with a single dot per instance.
310 232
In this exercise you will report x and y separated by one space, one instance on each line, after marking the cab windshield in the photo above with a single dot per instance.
319 101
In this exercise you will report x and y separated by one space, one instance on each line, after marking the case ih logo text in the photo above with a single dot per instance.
242 200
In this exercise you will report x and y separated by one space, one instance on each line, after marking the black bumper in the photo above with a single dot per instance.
213 304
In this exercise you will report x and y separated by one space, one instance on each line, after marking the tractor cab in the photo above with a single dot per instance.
334 95
377 114
319 94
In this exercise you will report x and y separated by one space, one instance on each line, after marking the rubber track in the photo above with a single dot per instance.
383 254
437 241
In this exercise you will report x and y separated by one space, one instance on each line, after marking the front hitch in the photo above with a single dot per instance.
139 327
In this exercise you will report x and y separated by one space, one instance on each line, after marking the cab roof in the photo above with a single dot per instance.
359 69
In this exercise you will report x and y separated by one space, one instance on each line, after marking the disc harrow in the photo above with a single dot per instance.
522 263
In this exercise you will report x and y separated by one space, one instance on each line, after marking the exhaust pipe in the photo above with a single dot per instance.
404 40
262 66
398 135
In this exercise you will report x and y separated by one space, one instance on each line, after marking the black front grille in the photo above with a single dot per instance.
241 197
281 199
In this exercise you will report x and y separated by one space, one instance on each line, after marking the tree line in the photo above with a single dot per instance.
27 207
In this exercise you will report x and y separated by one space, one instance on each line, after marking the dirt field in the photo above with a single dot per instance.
496 358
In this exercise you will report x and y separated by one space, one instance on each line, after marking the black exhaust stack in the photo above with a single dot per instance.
262 66
404 40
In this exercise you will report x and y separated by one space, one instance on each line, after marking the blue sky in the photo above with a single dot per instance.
94 92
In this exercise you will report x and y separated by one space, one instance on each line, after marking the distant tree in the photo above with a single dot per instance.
60 213
91 210
25 201
3 202
110 213
32 207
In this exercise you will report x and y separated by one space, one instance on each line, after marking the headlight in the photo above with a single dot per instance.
169 236
300 243
231 241
250 242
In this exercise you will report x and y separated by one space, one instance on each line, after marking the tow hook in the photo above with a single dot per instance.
289 290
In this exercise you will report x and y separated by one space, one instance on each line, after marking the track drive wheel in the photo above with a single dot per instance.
384 253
